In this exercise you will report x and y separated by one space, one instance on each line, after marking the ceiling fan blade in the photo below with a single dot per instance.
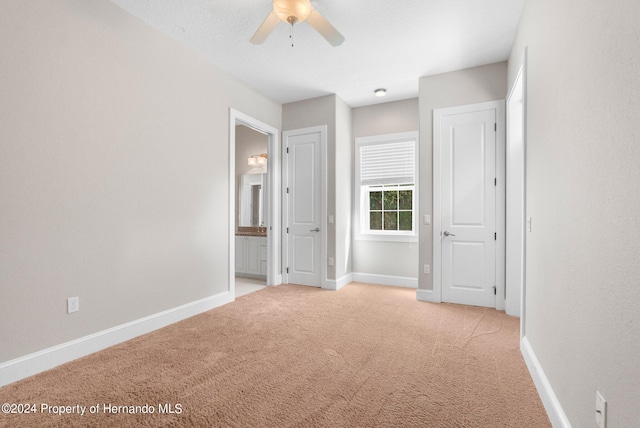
325 29
265 29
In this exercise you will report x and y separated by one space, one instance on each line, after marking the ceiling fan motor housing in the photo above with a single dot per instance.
292 11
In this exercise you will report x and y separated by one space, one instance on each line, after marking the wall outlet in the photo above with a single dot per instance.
427 269
601 410
73 304
330 261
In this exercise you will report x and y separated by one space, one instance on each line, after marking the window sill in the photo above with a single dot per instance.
385 237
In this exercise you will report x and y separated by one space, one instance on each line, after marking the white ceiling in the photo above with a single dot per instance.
389 43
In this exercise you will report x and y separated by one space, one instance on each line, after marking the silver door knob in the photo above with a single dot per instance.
317 229
447 233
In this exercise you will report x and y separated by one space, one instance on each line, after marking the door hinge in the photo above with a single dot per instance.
287 270
495 181
494 290
495 236
287 190
495 127
287 230
287 150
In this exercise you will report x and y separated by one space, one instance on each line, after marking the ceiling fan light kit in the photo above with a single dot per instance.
293 12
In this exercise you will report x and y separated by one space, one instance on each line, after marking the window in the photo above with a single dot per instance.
390 207
386 187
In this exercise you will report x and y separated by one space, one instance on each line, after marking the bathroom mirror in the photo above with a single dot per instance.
252 193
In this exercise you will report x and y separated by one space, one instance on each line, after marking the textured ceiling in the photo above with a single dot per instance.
389 43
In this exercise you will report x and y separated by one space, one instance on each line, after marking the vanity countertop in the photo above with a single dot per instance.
251 231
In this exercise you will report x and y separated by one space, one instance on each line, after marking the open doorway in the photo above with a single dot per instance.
252 189
254 205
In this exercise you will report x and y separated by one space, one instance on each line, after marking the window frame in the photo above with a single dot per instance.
362 230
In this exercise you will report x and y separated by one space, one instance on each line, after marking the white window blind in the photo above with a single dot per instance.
387 163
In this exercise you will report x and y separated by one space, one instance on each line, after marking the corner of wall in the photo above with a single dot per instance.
549 399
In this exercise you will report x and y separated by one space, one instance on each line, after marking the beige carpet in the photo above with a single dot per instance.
293 356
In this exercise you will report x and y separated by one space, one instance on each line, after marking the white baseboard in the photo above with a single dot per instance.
337 284
31 364
549 399
427 296
399 281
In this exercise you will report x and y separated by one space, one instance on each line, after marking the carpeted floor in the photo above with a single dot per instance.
294 356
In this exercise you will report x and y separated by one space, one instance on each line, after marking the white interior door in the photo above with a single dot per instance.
303 199
468 207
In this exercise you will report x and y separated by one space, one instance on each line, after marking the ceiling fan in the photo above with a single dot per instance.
293 12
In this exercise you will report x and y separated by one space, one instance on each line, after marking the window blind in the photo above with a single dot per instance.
387 163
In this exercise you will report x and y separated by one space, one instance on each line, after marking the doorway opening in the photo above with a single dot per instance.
254 205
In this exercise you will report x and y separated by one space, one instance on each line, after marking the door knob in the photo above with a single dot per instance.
317 229
447 233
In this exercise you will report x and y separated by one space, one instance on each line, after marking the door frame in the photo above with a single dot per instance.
499 106
274 276
322 129
519 90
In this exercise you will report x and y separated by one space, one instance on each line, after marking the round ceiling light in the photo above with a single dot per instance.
381 92
292 11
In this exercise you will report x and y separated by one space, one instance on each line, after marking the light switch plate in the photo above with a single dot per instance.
426 219
73 304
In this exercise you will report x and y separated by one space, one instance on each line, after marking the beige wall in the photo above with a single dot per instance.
114 180
317 112
377 257
343 125
114 171
473 85
335 114
344 188
583 170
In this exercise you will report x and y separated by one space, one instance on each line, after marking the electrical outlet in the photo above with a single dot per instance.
427 269
330 261
73 304
601 410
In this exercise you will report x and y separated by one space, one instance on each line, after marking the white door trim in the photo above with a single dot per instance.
499 106
323 201
274 276
519 88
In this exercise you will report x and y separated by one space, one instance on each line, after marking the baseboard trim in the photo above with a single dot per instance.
37 362
337 284
427 296
398 281
549 399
